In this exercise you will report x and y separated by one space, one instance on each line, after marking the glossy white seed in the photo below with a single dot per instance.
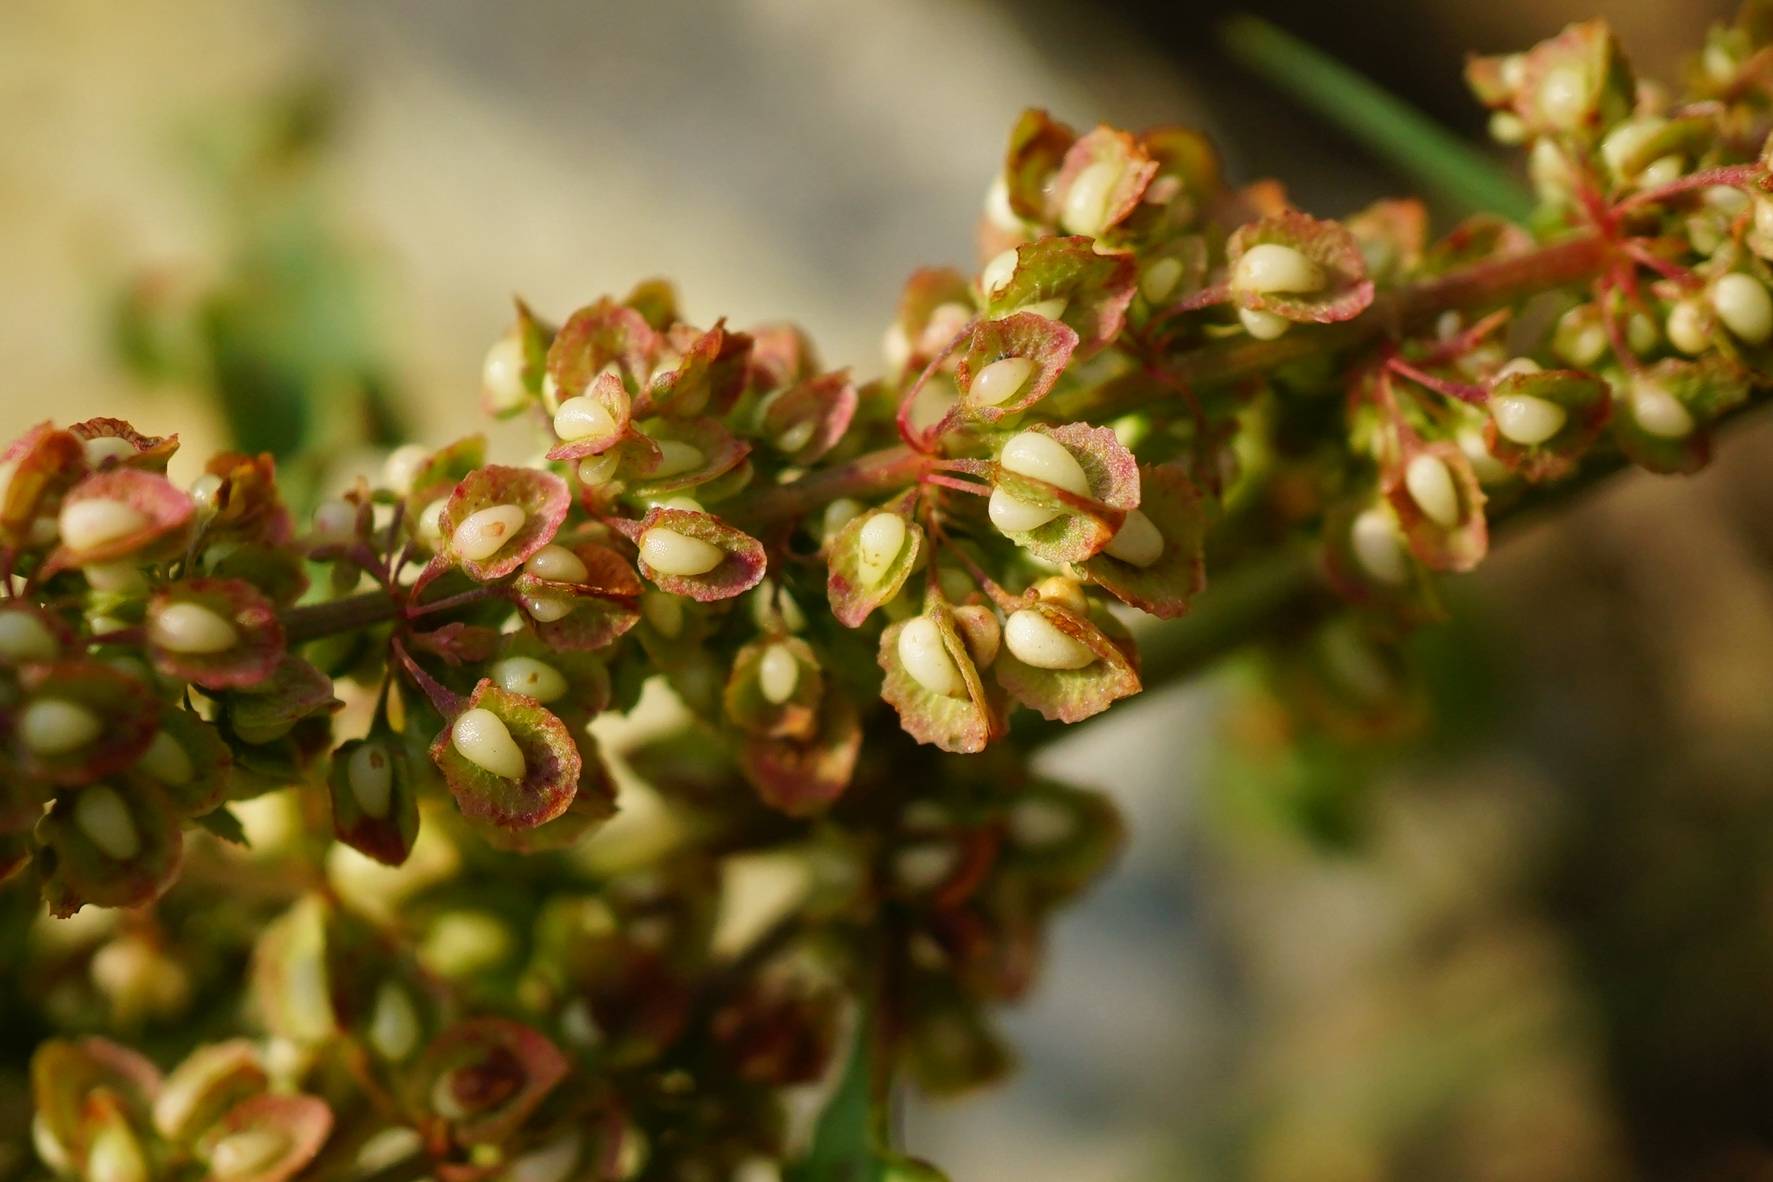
1012 515
501 374
1086 206
594 470
1430 484
394 1024
486 531
778 673
838 514
192 629
1744 306
1516 365
1663 170
1686 327
676 458
1486 467
796 436
1052 309
1270 266
1160 279
1660 413
56 726
671 553
583 417
430 525
997 273
1035 640
1137 542
546 609
25 637
1580 340
402 466
664 612
206 491
1377 546
100 448
248 1152
1264 326
926 658
370 774
998 209
102 816
1627 142
96 521
557 564
1041 457
116 578
167 760
115 1156
1000 381
526 675
1563 96
481 738
877 545
1526 419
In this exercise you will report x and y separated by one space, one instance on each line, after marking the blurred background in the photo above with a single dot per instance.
1531 940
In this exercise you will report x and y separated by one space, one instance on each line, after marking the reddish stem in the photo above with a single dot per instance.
1462 391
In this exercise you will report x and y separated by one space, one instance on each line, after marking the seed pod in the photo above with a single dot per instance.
217 633
508 760
498 517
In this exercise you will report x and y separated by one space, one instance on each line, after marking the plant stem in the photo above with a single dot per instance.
866 476
311 621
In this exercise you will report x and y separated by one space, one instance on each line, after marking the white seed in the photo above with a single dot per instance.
1507 128
557 564
1264 326
1687 329
115 1156
1041 457
895 347
1137 542
676 458
797 436
1000 381
56 726
1160 279
998 209
116 578
482 739
402 466
553 1162
546 609
1052 309
394 1029
95 521
103 817
926 658
334 521
167 760
1035 640
370 774
1270 266
1663 170
526 675
671 553
1377 546
1660 413
192 629
1085 209
430 527
878 543
100 448
1526 419
583 417
1486 467
1012 515
1580 339
838 514
25 637
925 866
997 273
1627 141
486 531
664 612
1516 365
1563 96
501 374
248 1152
1744 306
594 470
206 491
1040 824
1431 486
1063 591
1726 199
778 674
1641 333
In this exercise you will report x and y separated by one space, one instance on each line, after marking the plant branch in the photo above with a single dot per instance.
312 621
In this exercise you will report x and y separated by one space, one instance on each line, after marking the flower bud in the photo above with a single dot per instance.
926 658
1378 547
778 674
1272 267
1742 303
1085 209
105 821
1137 542
25 637
1035 640
1526 419
526 675
370 774
96 521
1000 381
334 521
879 543
672 553
1264 326
481 738
486 531
583 417
557 564
56 726
167 760
1431 486
191 629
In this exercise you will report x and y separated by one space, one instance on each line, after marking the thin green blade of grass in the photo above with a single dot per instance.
1386 125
